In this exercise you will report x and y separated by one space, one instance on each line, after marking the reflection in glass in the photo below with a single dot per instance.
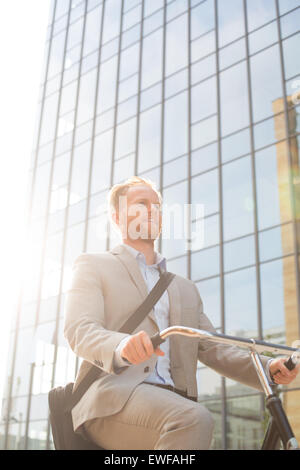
209 291
129 61
260 12
237 199
241 303
125 138
149 139
276 242
102 161
204 100
239 253
232 53
107 84
244 420
263 37
203 18
205 158
205 191
176 126
176 44
291 60
234 99
235 145
205 263
111 20
80 172
86 100
204 132
174 227
175 170
230 20
203 69
272 187
264 133
265 83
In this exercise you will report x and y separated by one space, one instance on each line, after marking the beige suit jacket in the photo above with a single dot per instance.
106 289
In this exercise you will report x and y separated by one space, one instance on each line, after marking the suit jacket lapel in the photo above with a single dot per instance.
174 318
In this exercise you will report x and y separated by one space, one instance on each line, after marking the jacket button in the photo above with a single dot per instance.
147 369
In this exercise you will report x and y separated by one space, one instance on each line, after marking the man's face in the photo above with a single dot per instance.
139 214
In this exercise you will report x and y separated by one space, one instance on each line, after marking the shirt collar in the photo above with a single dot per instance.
160 260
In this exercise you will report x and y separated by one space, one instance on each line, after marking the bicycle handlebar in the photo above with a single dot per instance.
253 344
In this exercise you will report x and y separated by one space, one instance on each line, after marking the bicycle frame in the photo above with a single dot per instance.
279 427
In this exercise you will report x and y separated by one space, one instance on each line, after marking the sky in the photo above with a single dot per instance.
23 26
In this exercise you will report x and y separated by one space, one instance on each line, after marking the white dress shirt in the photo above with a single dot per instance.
161 374
150 273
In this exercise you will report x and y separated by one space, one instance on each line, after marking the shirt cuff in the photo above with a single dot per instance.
267 370
119 361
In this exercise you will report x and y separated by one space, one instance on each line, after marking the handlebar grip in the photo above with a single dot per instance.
290 364
156 340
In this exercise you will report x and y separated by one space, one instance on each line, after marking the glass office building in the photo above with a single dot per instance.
202 97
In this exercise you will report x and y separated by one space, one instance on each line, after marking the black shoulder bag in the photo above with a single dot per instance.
62 399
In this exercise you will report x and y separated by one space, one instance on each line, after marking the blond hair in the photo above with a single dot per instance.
121 189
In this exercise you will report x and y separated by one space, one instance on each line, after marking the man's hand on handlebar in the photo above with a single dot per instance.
280 373
139 348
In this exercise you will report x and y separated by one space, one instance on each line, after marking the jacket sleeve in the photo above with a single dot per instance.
84 323
229 361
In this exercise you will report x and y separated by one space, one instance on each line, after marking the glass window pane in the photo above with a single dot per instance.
178 266
41 187
131 36
102 161
205 158
176 83
285 6
269 131
150 97
209 291
173 228
235 145
260 12
176 8
204 99
176 45
205 191
263 37
175 170
152 5
49 119
232 53
266 83
230 20
273 278
86 100
152 59
124 168
176 126
203 46
272 187
74 243
68 98
205 232
290 55
234 99
107 84
239 253
237 198
241 303
60 181
127 109
125 138
112 16
203 69
132 17
75 33
56 54
153 22
205 263
149 139
204 132
276 242
80 172
129 61
203 18
97 233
